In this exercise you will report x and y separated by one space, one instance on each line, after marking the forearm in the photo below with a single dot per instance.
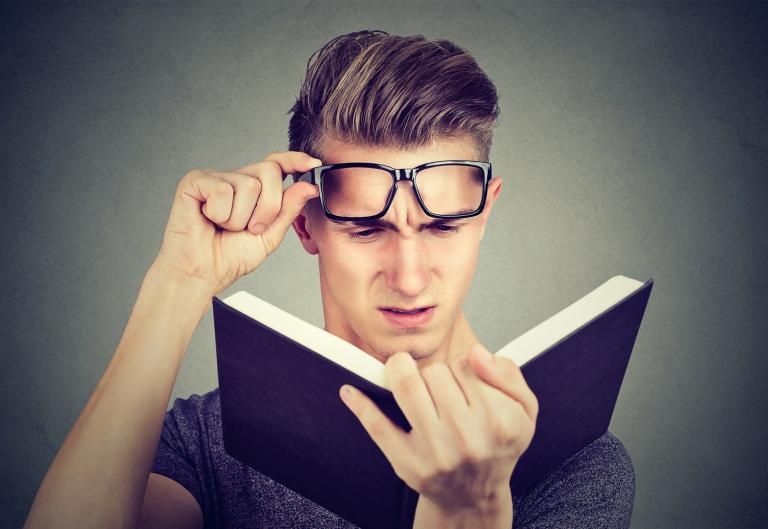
99 475
495 513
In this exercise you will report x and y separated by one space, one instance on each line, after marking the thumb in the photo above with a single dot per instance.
294 198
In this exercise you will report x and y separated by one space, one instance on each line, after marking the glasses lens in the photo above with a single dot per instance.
356 191
451 189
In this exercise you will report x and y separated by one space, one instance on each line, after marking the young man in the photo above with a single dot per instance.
394 104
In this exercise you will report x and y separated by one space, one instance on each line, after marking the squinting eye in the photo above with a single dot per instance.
440 228
362 234
449 229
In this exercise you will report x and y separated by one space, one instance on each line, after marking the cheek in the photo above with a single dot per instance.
457 269
457 256
347 266
356 265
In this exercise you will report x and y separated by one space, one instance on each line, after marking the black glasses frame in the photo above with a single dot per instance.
407 173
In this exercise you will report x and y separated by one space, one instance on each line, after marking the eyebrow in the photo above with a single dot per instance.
380 223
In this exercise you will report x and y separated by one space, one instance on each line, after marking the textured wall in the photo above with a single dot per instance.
634 140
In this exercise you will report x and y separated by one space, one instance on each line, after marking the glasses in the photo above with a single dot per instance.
448 189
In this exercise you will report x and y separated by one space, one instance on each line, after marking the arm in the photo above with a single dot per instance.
99 475
594 489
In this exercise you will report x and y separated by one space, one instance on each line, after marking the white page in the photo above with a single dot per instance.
519 350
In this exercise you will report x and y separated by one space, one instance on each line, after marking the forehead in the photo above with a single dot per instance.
334 151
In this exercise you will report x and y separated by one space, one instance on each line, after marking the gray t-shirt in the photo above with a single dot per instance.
593 489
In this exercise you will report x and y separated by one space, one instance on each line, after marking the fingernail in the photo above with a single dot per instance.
346 393
257 228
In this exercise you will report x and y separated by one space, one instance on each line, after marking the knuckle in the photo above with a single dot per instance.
512 370
534 405
470 453
505 431
444 463
272 163
421 479
400 356
438 376
530 430
435 371
377 427
222 187
396 363
507 365
193 173
267 169
251 185
461 365
428 473
268 210
408 384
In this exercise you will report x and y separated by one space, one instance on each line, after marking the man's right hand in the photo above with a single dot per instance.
212 232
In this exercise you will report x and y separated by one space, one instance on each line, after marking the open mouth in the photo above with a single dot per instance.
415 311
408 318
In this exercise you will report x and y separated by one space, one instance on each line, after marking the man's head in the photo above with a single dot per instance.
402 102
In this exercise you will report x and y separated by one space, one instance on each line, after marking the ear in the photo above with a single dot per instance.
494 188
302 225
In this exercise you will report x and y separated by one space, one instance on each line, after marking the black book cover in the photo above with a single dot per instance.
282 415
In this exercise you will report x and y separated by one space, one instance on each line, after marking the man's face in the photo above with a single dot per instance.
363 269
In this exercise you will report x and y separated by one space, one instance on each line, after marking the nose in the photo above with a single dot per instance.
408 258
408 268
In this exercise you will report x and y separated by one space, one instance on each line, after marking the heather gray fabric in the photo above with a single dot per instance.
594 489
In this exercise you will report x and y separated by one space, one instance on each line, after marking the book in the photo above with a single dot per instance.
279 380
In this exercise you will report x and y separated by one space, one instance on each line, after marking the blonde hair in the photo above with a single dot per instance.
370 88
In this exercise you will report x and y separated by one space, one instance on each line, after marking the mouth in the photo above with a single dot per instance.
407 318
400 310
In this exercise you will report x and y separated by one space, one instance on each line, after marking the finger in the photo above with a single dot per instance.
270 175
289 162
213 193
294 198
390 439
446 393
410 391
247 190
468 381
280 207
511 426
505 375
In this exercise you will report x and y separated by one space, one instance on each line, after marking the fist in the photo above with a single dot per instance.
223 225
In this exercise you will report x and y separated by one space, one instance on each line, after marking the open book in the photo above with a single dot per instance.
279 380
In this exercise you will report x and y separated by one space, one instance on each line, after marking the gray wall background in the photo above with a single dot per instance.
634 141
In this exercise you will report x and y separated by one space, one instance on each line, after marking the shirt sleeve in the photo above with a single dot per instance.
178 449
593 489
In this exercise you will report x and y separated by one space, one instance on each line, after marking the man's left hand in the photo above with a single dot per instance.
471 421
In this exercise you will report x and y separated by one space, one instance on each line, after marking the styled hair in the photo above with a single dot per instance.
372 89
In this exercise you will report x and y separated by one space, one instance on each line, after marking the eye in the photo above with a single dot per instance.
440 228
448 229
363 234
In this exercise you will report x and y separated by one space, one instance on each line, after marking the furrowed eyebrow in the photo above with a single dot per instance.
379 223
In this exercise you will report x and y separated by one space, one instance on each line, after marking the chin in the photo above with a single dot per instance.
416 346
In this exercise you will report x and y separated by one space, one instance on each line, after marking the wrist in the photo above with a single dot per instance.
182 297
492 512
177 280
